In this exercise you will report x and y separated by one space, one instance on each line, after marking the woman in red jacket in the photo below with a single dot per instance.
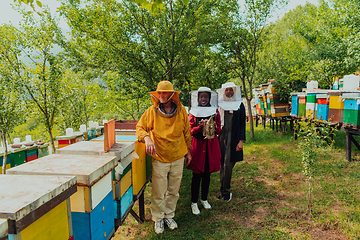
205 147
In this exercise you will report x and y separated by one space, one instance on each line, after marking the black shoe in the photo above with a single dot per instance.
220 196
228 197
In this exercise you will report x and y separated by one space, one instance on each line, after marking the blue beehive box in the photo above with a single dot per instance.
294 104
322 112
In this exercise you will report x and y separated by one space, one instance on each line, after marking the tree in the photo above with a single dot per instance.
285 54
140 48
244 41
330 30
12 105
42 73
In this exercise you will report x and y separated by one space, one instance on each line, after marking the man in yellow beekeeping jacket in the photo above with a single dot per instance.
165 129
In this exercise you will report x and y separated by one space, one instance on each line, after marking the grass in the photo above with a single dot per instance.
269 197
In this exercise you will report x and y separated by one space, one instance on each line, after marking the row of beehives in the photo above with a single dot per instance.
23 153
268 102
80 192
30 150
84 134
328 105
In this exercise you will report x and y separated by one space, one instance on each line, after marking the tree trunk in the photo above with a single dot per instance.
189 89
9 138
250 117
51 140
3 138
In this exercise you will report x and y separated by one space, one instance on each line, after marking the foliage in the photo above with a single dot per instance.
34 127
312 43
36 66
141 48
329 31
284 56
154 5
30 3
12 103
83 98
244 40
283 90
314 137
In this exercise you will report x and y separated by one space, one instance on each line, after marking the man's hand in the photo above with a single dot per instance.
188 158
149 146
239 146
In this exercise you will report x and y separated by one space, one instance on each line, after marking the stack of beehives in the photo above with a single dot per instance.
278 107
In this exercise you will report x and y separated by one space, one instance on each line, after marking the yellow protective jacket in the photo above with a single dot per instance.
171 135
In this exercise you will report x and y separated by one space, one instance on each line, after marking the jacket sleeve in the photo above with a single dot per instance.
218 122
193 128
186 132
143 127
242 123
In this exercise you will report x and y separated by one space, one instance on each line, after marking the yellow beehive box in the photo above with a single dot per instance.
139 167
336 102
36 207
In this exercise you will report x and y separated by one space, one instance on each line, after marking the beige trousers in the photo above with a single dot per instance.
166 179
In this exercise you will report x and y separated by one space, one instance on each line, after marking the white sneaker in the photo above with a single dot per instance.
206 204
159 226
170 223
195 208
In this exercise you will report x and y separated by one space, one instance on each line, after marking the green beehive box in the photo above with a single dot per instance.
43 150
17 156
351 117
311 98
302 110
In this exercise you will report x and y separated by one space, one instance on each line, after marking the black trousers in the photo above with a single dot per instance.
204 178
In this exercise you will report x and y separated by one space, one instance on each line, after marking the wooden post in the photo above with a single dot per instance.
142 207
109 135
283 125
348 146
295 129
264 121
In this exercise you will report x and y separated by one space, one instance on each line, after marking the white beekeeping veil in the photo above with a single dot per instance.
232 103
203 111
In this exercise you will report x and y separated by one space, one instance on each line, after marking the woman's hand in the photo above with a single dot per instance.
149 146
201 123
239 146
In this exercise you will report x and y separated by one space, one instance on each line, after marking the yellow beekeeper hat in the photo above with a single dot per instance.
165 86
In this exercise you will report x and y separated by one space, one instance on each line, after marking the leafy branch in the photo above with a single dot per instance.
315 138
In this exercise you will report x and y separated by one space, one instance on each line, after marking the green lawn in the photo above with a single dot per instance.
270 198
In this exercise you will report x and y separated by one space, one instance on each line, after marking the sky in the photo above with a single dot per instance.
7 14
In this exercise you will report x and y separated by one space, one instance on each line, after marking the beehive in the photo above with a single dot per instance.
336 107
294 104
43 150
351 117
123 151
92 208
36 207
